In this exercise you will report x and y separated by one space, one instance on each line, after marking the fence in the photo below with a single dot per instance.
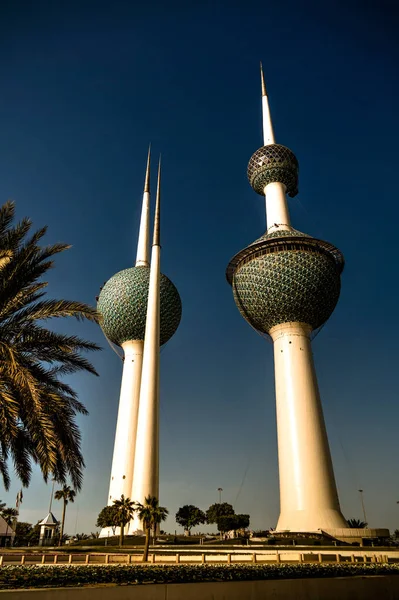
178 558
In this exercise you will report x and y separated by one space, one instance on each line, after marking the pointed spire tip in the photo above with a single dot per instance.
262 78
147 173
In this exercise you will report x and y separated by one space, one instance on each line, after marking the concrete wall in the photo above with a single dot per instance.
344 588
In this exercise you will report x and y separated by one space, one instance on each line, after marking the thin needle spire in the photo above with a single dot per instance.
262 79
143 251
157 219
268 133
147 173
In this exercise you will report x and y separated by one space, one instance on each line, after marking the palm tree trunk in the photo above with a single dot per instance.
62 523
121 535
147 543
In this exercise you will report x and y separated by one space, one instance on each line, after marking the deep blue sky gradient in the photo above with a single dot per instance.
84 88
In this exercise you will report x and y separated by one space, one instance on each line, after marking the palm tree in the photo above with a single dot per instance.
150 514
125 508
67 494
356 523
37 409
5 257
9 515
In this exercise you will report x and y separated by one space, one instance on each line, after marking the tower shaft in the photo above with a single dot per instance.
308 493
146 463
126 428
277 215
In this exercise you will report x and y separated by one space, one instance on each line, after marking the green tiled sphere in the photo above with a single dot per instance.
122 304
272 163
285 277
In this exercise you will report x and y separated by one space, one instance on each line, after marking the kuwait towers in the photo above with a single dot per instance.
286 284
140 310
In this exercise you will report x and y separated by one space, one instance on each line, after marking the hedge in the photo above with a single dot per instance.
63 576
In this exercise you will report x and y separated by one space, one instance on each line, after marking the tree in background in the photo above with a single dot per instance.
232 523
222 509
356 523
189 516
9 514
108 517
125 510
150 515
225 518
37 409
94 535
67 494
81 536
34 535
22 533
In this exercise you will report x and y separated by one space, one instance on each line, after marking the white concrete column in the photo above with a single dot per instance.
142 258
268 133
308 493
277 214
126 428
146 464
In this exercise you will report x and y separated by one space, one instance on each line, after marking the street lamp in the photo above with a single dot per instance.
364 510
220 490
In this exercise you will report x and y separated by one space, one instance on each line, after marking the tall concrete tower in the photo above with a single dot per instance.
122 304
146 462
286 284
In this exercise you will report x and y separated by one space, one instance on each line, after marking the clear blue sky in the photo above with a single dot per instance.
84 88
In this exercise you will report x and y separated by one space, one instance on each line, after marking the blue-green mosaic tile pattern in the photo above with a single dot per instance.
271 163
280 233
287 285
123 306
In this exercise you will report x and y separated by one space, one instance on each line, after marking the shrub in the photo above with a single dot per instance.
49 576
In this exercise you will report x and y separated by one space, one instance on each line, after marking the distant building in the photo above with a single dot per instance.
48 530
7 533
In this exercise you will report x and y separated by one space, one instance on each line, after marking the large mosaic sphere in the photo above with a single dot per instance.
122 303
286 276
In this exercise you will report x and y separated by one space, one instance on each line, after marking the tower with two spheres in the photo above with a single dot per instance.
140 310
286 285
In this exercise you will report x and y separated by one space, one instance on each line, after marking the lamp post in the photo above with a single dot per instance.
364 510
220 490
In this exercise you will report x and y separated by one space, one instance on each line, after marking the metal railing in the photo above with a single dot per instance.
64 559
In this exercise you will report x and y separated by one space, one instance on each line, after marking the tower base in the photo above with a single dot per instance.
107 532
311 520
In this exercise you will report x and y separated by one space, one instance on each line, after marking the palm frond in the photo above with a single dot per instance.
37 408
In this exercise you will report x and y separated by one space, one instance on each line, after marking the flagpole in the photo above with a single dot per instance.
51 498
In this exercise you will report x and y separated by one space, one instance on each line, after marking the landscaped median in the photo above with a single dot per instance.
48 576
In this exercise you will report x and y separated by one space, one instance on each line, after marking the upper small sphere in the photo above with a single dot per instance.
273 163
122 304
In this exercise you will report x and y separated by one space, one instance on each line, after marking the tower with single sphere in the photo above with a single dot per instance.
123 306
286 284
